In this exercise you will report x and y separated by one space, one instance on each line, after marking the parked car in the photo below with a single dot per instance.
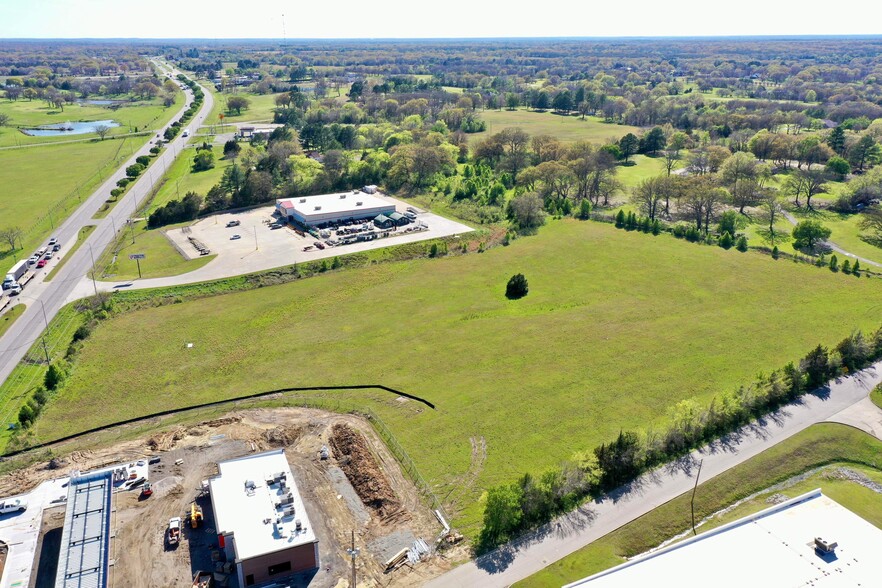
14 505
234 237
234 223
42 262
308 248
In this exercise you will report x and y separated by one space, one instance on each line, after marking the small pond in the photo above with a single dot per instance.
68 128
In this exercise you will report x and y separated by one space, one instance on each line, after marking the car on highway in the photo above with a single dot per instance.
56 247
33 259
14 505
14 289
308 248
234 237
53 241
42 262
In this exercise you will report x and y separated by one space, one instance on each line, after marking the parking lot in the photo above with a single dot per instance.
259 242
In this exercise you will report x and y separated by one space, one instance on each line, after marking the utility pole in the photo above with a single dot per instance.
43 337
132 229
353 553
94 283
694 488
256 248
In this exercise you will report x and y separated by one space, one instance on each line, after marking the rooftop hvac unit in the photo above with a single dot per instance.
342 195
298 525
289 512
318 207
287 499
250 485
358 203
302 200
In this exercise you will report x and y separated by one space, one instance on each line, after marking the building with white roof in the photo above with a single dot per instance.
810 540
261 520
326 208
83 559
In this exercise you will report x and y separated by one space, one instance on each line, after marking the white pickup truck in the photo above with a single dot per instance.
14 505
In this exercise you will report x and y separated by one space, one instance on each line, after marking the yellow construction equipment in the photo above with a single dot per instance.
195 515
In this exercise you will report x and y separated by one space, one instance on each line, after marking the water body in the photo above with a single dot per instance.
69 128
99 102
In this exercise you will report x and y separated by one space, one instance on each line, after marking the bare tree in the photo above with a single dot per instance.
650 193
808 183
11 235
102 130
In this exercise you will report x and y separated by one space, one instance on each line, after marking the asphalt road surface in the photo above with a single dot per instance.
40 296
839 403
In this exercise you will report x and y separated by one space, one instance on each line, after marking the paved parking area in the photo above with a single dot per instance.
258 246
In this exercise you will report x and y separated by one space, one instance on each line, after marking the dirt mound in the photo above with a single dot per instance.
284 435
358 464
221 421
165 441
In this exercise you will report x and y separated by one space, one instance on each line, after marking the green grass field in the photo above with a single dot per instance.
816 446
565 128
684 321
134 116
260 109
162 258
8 317
181 178
52 180
845 233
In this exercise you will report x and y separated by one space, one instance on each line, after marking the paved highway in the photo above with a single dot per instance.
51 296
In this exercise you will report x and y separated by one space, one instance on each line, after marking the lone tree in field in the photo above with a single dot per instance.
4 119
11 235
238 103
808 233
517 287
102 130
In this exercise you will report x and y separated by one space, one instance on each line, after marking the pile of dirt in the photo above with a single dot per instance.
229 420
283 435
166 441
358 464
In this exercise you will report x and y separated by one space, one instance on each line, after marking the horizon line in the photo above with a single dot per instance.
783 36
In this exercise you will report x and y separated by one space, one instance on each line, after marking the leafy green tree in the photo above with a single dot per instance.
237 104
807 233
628 145
584 210
526 212
846 267
203 161
726 240
620 219
134 170
619 461
232 148
563 101
836 140
728 223
653 141
775 253
816 367
502 515
856 268
838 166
25 415
834 264
741 244
54 377
865 153
517 287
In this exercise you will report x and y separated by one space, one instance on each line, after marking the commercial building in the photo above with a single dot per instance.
809 540
83 559
326 208
261 520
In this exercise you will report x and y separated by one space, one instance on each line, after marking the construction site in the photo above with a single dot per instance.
368 518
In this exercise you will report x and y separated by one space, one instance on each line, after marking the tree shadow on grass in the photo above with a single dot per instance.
572 523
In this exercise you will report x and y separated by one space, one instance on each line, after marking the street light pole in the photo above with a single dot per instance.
353 552
94 284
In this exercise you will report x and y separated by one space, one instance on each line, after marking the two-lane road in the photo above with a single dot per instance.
51 296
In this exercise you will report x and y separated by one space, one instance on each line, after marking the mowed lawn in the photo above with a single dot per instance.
139 115
260 108
565 128
617 327
38 180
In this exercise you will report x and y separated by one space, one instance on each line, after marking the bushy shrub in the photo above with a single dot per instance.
517 287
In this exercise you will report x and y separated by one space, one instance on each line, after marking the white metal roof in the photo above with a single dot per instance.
83 558
250 508
338 203
774 547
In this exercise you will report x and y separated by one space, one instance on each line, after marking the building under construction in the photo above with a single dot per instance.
262 524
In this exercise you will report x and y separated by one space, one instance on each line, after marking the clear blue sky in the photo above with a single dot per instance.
412 18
